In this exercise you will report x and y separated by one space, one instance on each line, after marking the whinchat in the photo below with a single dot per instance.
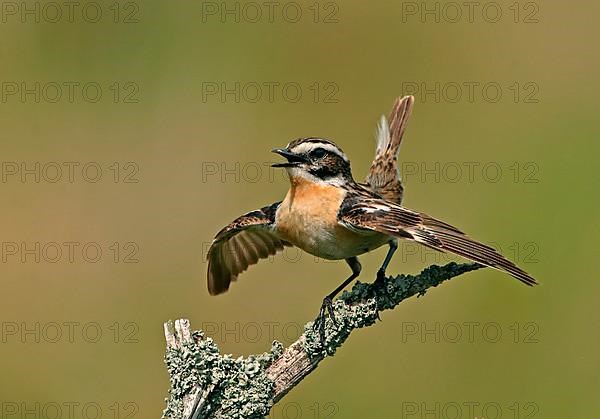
328 214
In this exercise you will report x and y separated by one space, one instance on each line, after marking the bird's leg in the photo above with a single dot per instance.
327 306
381 272
380 281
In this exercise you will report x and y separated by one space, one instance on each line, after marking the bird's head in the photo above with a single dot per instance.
316 160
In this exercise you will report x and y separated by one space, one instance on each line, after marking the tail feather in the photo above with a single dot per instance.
390 134
398 120
384 176
383 136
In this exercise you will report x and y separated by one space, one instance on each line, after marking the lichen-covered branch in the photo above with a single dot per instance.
206 384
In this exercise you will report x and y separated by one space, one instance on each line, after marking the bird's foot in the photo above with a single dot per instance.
380 277
319 324
380 284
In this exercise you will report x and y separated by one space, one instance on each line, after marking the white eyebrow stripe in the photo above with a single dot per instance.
308 147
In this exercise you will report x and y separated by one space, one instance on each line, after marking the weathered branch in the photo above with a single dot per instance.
206 384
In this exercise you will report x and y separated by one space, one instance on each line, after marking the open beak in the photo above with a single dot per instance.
292 158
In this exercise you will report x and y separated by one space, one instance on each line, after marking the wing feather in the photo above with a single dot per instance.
242 243
396 221
236 253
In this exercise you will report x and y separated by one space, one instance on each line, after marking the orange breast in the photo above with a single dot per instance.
308 218
308 208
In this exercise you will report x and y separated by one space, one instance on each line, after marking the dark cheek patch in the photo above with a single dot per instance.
323 172
329 167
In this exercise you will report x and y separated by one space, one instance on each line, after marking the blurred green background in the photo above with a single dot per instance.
179 162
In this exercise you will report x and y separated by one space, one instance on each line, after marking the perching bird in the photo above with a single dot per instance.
328 214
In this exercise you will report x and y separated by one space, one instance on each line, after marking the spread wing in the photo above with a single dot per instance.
396 221
241 244
384 176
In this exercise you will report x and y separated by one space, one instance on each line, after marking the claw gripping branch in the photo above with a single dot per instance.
206 384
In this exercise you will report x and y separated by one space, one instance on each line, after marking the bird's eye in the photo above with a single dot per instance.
318 153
